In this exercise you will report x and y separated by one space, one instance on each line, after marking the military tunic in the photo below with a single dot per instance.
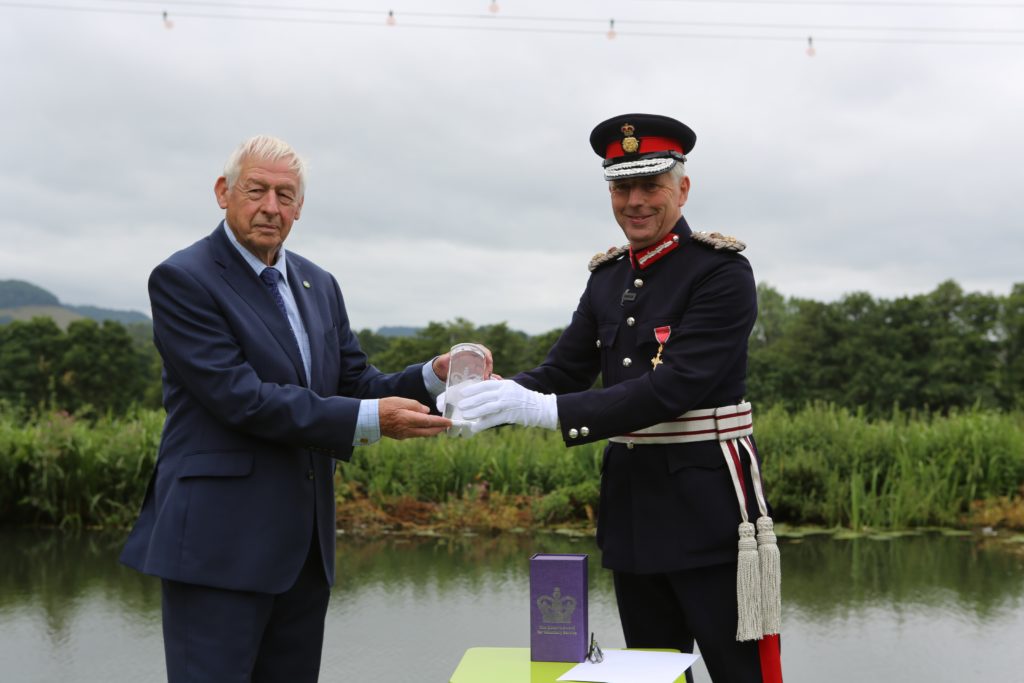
666 507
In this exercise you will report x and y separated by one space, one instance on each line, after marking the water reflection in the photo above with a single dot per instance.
918 608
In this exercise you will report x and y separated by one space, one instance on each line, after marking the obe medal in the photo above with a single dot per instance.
661 334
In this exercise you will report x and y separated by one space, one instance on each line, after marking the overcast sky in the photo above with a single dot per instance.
450 170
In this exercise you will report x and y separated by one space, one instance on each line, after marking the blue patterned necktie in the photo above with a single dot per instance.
270 277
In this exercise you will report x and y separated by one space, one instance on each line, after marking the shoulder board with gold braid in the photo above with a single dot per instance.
718 240
601 258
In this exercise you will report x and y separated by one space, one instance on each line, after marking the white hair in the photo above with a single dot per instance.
677 172
265 148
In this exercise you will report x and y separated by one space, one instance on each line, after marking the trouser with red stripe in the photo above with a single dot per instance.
675 609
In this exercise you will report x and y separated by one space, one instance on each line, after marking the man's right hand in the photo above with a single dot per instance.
404 418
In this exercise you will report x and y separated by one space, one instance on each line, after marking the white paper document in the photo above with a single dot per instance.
632 666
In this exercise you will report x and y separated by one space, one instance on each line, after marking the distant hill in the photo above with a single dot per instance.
125 317
60 314
16 293
20 300
398 331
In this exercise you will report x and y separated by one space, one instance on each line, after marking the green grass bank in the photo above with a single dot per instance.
823 465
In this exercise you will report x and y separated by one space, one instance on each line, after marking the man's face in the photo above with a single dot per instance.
261 206
647 208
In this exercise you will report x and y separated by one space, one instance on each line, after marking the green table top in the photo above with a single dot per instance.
510 665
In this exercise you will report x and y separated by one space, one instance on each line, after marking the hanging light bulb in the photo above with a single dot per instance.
493 7
168 24
810 47
611 29
391 18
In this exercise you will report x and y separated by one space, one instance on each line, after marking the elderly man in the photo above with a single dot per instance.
665 321
265 387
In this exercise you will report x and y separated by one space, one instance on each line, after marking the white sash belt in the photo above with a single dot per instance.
706 424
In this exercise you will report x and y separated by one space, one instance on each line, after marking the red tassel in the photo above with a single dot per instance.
771 659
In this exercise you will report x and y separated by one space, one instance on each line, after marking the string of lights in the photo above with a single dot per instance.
582 26
588 20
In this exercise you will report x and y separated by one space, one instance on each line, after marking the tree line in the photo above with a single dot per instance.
935 352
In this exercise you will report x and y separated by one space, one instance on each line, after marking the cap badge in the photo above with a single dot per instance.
629 143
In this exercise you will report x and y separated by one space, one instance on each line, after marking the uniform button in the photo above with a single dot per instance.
309 475
598 343
626 362
573 433
675 238
584 431
631 321
630 445
638 282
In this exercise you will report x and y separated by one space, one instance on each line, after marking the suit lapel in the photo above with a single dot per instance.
250 289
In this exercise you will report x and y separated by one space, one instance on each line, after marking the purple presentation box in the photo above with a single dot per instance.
558 608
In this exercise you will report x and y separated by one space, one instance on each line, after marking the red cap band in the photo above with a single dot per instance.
647 145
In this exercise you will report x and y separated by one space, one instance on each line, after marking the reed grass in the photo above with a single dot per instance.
59 470
822 465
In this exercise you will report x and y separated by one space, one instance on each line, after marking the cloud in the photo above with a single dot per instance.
450 170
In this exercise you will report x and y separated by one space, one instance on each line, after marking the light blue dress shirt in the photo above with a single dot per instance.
368 421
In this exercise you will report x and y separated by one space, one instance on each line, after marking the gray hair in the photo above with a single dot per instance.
677 172
265 148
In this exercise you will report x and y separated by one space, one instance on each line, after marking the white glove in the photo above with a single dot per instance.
497 402
460 427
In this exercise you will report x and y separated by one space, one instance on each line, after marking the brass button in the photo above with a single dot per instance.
675 238
626 362
598 343
631 321
630 445
584 431
573 433
638 282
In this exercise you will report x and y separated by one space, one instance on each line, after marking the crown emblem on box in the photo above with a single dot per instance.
556 608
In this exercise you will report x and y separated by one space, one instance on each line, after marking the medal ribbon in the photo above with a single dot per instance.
661 335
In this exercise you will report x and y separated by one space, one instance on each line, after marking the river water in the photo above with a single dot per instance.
922 608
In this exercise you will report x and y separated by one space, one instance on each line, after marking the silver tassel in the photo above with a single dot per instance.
771 576
748 586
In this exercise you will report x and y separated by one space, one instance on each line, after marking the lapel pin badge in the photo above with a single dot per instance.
305 283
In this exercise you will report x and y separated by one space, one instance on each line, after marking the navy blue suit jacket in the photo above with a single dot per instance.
246 461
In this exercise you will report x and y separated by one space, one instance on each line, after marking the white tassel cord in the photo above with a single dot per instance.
771 577
748 573
748 586
768 553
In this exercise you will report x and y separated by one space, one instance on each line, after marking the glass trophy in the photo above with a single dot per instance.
468 365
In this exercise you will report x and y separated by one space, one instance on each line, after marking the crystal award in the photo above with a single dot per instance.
468 365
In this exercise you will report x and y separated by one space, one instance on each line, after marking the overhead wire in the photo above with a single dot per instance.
499 23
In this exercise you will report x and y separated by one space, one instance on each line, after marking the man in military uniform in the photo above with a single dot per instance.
665 320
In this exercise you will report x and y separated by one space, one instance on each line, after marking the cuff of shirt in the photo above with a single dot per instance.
432 382
367 423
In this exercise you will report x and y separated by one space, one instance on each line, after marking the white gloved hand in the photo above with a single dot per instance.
497 402
460 428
